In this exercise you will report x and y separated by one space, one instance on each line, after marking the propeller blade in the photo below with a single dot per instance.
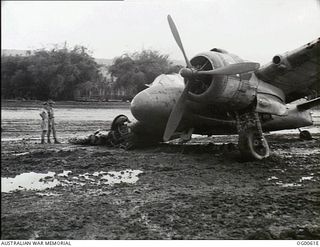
179 108
176 114
176 36
232 69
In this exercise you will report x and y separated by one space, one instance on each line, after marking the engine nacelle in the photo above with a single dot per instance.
281 62
234 92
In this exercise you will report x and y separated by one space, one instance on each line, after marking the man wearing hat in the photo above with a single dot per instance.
51 126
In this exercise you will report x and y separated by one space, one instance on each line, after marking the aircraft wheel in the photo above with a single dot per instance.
305 135
251 147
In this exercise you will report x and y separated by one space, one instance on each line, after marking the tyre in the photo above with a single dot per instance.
251 147
305 135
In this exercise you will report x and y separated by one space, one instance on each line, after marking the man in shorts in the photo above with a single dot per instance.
44 123
51 124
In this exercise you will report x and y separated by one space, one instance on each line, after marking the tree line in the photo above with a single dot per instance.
134 71
47 73
55 73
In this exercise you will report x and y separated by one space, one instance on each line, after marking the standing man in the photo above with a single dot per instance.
44 122
51 125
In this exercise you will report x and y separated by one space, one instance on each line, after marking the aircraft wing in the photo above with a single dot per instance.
296 72
309 104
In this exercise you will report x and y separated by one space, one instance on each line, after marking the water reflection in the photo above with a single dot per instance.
109 178
288 184
294 184
297 151
127 176
29 181
42 181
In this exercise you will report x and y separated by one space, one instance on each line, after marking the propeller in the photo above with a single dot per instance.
176 114
179 108
231 69
189 72
176 36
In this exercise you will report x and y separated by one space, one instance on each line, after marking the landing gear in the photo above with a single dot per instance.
120 134
252 144
305 135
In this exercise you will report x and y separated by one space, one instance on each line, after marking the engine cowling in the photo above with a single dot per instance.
234 92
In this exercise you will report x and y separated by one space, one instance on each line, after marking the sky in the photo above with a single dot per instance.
255 30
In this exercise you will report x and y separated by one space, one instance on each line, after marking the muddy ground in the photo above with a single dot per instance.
197 191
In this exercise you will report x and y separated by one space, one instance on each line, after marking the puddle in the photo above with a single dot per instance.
304 151
21 154
64 174
312 129
8 139
288 184
29 181
127 176
297 151
306 178
42 181
297 184
110 178
47 194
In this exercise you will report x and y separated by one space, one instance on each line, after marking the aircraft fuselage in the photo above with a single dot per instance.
153 106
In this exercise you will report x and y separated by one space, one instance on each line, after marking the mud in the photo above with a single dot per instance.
200 190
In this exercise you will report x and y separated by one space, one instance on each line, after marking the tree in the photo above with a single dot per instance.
133 71
47 73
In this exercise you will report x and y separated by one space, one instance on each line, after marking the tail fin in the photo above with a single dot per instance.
309 104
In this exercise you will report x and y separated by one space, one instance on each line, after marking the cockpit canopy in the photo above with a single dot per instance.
219 50
167 80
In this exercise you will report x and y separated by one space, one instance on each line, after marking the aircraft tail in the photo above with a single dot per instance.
309 104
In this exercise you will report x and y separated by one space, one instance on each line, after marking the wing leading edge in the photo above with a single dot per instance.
309 104
296 72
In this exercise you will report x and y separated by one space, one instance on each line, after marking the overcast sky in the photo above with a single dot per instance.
255 30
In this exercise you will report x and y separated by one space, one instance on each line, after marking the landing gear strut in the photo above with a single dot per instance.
252 144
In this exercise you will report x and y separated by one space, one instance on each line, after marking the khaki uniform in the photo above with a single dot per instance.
51 125
44 121
44 124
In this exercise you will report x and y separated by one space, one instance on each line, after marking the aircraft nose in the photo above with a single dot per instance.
141 106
